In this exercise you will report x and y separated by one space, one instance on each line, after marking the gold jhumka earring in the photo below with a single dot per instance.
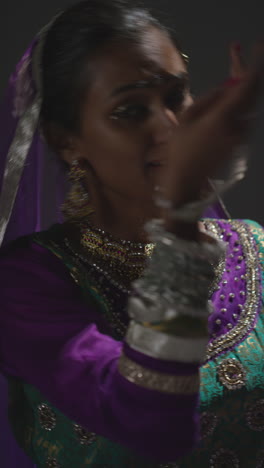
77 205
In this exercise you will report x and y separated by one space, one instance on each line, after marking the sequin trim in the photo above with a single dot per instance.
255 416
220 268
231 374
154 380
260 459
47 417
248 315
224 458
208 423
83 436
52 463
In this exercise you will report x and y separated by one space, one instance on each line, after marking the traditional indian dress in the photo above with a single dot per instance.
79 393
74 402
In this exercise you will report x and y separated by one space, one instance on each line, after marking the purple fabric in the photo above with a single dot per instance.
231 296
37 206
50 339
222 300
216 211
43 184
233 282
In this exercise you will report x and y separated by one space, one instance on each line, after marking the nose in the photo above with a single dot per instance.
163 123
189 100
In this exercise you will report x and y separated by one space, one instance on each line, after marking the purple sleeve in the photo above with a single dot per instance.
52 340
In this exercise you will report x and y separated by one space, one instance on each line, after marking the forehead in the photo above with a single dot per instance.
124 63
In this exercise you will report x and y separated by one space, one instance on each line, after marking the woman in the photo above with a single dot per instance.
99 375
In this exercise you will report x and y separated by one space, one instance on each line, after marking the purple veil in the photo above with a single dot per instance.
43 178
40 191
33 184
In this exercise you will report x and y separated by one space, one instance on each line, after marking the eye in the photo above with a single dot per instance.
130 112
174 101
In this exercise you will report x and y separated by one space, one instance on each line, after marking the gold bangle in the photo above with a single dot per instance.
183 326
153 380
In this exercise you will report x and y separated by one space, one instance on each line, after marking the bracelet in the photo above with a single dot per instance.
205 252
153 380
177 279
183 326
155 309
167 347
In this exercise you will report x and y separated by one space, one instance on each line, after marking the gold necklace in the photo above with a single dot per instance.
122 260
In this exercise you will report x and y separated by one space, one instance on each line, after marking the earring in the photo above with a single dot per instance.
76 205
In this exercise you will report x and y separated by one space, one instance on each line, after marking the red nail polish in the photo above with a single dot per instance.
237 46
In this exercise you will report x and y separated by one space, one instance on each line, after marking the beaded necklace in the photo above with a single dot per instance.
111 266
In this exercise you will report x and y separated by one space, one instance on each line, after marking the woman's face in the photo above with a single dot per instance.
131 111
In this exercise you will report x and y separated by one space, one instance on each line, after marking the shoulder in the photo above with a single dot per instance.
27 261
229 228
256 230
244 240
248 231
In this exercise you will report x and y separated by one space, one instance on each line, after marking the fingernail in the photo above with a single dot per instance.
231 82
237 46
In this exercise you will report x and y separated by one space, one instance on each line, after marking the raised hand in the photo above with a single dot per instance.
211 128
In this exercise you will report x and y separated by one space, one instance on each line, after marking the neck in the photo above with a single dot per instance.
127 229
124 220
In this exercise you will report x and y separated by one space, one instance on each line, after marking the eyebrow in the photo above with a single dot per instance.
181 78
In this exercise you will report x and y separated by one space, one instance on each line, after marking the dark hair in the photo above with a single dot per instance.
76 36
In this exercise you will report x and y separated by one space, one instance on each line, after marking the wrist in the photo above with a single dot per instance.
166 347
188 231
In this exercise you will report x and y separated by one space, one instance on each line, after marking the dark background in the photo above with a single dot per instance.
205 27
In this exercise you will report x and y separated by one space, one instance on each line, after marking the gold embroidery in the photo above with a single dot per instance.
123 260
52 463
220 268
154 380
249 312
231 374
53 450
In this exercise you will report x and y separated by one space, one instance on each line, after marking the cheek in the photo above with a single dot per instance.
117 157
111 145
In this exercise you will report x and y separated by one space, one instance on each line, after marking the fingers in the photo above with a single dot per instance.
232 105
241 98
201 105
237 63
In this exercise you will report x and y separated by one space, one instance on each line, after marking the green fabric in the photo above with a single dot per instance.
228 408
52 240
61 443
232 431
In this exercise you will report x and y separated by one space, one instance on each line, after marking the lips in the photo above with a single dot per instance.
155 163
